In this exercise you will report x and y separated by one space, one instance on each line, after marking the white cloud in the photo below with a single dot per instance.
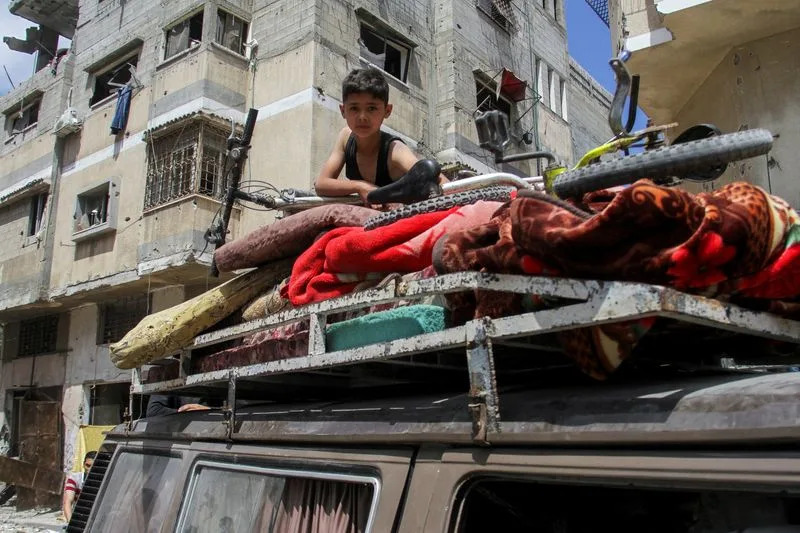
19 65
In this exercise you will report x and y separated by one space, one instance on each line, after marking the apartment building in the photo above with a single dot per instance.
112 152
732 63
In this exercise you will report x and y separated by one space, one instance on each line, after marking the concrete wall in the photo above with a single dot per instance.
754 86
588 104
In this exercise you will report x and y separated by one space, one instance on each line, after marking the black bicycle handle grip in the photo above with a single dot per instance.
249 126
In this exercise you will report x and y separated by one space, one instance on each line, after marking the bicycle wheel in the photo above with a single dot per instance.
440 203
663 162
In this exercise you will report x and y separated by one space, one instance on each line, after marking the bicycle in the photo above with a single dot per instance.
701 153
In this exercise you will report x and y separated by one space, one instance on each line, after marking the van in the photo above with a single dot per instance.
483 427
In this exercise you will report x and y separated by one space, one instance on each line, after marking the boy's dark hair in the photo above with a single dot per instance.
366 80
89 455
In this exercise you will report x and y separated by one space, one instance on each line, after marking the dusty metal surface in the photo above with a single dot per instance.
585 303
40 444
734 409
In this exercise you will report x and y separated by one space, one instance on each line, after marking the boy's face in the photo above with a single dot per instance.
364 113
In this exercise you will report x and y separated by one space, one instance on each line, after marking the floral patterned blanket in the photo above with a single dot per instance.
738 243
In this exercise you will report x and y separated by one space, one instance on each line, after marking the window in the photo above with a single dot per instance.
253 499
551 85
137 494
563 91
499 11
109 79
539 78
231 31
183 35
189 161
387 54
23 116
95 211
506 505
487 99
38 335
119 316
36 216
556 14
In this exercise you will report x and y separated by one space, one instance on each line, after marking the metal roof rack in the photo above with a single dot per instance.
585 303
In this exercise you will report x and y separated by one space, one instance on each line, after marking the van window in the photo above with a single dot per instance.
138 493
238 498
514 506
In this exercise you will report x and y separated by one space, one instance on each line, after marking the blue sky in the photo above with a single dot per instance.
589 42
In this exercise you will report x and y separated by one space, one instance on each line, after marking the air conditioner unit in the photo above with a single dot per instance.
67 123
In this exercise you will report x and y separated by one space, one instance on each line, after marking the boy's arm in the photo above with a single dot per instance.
328 182
402 158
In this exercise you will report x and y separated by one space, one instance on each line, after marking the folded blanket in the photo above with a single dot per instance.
737 241
342 258
287 237
383 326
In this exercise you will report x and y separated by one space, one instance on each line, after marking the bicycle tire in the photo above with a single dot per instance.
663 162
440 203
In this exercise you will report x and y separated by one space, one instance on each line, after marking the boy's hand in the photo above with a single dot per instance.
364 188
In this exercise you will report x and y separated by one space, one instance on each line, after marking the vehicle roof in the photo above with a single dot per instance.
732 408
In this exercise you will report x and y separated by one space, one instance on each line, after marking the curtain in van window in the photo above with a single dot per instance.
322 506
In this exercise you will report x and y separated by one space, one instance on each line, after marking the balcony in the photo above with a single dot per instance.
59 15
676 44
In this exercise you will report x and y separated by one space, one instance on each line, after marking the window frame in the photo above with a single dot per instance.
50 323
494 13
243 38
389 39
487 86
103 312
36 217
186 503
198 176
108 73
112 207
24 106
191 42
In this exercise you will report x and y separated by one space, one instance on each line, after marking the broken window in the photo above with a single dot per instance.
92 208
487 99
189 161
38 335
38 203
23 116
500 11
111 78
119 316
227 497
379 49
184 34
231 31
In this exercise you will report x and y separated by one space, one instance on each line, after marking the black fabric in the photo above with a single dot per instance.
382 176
160 405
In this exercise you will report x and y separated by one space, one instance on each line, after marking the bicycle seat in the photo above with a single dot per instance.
419 183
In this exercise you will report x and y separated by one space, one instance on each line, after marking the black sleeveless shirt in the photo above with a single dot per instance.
382 176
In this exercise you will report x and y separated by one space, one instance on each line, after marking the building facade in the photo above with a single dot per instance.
105 217
733 63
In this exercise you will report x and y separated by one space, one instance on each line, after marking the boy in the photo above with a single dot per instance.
74 485
371 158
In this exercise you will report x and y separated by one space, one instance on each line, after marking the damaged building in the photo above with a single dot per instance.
111 162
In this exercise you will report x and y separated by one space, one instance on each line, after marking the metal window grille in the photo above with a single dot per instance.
501 11
38 335
601 8
188 161
120 316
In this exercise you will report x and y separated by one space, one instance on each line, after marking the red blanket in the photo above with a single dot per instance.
344 257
